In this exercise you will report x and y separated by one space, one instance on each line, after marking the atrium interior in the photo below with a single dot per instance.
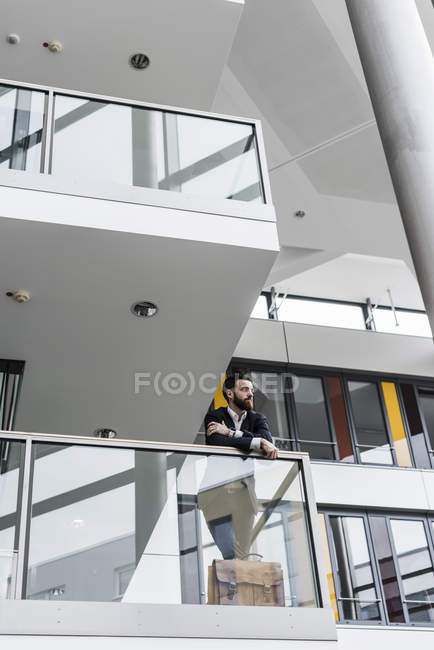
191 189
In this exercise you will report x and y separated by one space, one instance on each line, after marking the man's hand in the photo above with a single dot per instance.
215 427
270 451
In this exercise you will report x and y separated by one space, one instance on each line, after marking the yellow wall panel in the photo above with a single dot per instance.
219 399
396 424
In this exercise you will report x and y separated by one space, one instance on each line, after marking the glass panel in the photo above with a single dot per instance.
149 148
328 564
415 567
409 323
426 398
340 420
21 120
383 551
418 442
146 526
315 312
358 595
312 419
396 424
369 423
260 310
10 463
269 390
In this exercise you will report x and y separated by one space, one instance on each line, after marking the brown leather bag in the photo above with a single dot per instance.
243 582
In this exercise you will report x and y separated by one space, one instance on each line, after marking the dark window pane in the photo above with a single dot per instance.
318 451
270 400
358 594
418 442
415 567
369 423
389 579
426 397
312 419
340 419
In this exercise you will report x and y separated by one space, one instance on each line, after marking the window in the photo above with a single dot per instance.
260 310
382 567
347 314
11 375
411 323
369 424
313 425
426 400
358 595
318 312
269 390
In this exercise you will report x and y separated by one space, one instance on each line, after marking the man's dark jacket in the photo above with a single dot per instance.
255 425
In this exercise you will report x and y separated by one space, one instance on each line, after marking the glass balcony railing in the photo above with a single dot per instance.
86 138
128 522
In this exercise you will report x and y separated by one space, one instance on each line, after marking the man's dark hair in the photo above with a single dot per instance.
231 380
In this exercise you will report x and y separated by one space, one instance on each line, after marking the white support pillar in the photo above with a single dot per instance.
399 71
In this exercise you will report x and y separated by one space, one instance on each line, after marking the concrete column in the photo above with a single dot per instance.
150 482
144 124
399 71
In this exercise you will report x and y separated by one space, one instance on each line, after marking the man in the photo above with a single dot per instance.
239 425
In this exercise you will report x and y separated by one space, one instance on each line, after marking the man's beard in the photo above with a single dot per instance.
243 404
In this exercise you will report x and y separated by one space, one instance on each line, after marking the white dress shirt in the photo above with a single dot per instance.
238 420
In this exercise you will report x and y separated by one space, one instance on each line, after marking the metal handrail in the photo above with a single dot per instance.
362 600
130 102
142 444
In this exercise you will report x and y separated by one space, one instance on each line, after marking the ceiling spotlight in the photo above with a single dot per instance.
139 61
144 309
13 39
105 433
299 213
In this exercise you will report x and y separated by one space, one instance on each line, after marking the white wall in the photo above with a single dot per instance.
363 487
336 348
349 638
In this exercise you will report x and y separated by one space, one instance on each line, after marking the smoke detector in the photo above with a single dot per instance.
53 46
21 295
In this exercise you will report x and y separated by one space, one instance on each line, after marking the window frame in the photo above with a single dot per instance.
333 559
426 520
294 425
344 376
352 424
369 325
417 386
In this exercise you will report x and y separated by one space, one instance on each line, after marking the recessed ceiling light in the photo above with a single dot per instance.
105 433
144 309
139 61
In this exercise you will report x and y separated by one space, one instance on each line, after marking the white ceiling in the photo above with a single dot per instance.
357 277
187 42
294 65
297 69
82 345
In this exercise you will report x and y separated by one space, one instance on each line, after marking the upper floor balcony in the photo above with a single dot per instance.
90 145
105 203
